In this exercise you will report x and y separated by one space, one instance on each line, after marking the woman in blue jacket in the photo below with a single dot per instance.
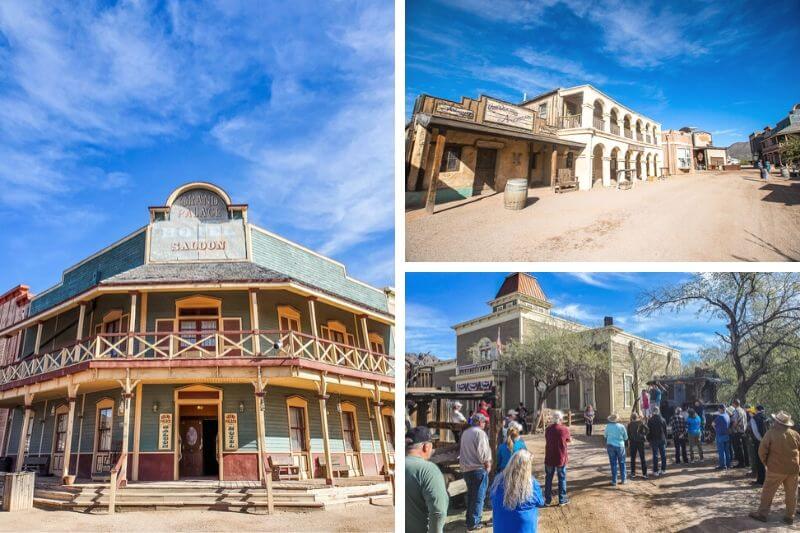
722 423
516 496
510 446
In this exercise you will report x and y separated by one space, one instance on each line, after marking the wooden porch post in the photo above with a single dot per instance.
72 391
254 321
131 326
81 320
126 419
430 200
259 386
377 405
554 165
38 345
24 433
312 316
365 330
322 388
137 424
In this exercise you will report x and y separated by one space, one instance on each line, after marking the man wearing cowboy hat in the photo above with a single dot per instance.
780 452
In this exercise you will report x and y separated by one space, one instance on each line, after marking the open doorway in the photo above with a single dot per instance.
198 438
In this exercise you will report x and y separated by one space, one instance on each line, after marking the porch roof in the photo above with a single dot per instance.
432 120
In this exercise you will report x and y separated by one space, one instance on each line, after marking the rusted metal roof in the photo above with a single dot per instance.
523 283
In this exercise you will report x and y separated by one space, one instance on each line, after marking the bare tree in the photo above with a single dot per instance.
762 314
554 356
644 365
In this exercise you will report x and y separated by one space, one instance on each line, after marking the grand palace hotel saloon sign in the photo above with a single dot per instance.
202 345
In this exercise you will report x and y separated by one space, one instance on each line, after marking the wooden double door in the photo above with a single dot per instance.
199 438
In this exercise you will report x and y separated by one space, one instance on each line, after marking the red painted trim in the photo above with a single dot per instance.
156 466
240 466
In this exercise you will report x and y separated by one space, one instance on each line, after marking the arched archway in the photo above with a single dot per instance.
639 136
597 120
613 119
628 166
647 166
655 165
597 164
614 164
639 165
626 126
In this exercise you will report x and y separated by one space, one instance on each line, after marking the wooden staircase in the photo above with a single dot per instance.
93 497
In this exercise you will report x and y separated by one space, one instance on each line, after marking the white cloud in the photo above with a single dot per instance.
578 312
428 330
605 280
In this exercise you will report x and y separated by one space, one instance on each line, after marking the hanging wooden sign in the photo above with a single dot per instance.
231 431
164 431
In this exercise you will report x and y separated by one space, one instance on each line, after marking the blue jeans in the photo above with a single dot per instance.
477 481
659 448
548 483
724 451
616 456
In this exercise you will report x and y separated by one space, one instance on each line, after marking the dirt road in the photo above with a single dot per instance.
693 499
356 517
714 216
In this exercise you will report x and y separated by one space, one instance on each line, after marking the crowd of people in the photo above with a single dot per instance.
741 434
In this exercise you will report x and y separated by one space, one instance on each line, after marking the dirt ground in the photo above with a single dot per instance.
712 216
694 499
349 518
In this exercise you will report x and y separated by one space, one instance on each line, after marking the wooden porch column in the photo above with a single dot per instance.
72 391
322 388
132 324
312 316
365 331
126 419
254 321
81 320
430 200
377 405
24 433
260 431
37 346
554 165
137 421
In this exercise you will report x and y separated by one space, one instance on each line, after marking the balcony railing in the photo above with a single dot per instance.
571 121
599 124
628 133
477 368
639 137
648 140
615 129
274 344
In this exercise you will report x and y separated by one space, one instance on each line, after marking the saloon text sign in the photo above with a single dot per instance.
198 228
231 431
508 115
164 431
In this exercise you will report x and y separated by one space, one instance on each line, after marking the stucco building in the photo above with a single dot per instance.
202 345
690 150
521 306
484 142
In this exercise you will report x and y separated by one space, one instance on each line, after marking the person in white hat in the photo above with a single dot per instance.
458 420
780 452
616 435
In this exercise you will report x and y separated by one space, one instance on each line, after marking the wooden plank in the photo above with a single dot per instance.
430 200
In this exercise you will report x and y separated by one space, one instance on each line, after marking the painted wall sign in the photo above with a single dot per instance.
231 431
198 228
164 431
508 115
445 109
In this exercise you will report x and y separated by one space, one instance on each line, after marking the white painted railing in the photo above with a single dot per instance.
200 345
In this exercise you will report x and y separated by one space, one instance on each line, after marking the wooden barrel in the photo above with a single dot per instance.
18 491
516 194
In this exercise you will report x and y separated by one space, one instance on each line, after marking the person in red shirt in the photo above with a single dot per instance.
483 408
556 437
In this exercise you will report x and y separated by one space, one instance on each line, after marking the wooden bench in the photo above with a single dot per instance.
284 469
39 464
338 466
566 180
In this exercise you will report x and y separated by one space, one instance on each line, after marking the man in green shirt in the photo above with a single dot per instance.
426 494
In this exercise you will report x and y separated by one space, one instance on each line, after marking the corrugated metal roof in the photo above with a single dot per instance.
522 283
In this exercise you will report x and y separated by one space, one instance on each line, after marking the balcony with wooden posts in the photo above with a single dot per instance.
254 346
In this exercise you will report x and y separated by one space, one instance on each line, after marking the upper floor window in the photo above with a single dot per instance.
288 318
376 344
543 110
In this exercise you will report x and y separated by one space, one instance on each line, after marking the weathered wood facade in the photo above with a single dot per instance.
204 346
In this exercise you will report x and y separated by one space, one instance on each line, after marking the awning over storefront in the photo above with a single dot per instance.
434 121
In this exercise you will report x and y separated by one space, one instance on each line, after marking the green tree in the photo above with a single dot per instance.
762 314
554 356
790 151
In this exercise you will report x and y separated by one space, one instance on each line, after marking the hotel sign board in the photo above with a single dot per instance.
231 431
164 431
450 110
508 115
198 227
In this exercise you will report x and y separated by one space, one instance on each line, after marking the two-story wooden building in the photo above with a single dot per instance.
203 346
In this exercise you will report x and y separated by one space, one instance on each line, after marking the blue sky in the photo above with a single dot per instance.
106 107
437 301
725 67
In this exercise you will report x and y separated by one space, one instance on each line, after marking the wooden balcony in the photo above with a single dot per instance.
570 121
476 368
273 344
599 124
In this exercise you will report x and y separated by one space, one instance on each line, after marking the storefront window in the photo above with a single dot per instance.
451 158
684 158
104 430
349 431
297 429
